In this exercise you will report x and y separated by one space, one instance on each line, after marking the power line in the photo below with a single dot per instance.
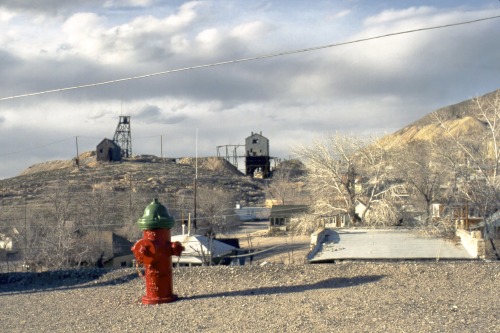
228 62
34 148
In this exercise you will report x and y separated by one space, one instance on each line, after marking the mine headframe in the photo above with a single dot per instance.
123 136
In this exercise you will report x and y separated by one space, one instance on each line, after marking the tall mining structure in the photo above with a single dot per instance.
123 136
257 157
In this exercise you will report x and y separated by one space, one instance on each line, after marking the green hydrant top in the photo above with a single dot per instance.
155 217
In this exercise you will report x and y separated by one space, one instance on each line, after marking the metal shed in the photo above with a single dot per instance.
108 151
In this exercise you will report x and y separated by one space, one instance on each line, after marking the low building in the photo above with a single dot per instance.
116 250
252 213
283 215
360 209
108 151
122 255
336 220
269 203
465 216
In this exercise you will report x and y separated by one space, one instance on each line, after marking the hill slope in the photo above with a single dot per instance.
131 183
461 118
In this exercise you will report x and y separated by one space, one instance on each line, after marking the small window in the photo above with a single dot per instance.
255 141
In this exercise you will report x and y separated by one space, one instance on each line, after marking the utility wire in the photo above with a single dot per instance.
273 55
35 148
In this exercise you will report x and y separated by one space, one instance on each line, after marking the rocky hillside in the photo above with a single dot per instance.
461 118
122 188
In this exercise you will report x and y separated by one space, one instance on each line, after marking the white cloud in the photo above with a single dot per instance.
208 36
180 43
186 15
126 3
89 35
370 86
84 32
6 15
342 13
393 15
251 30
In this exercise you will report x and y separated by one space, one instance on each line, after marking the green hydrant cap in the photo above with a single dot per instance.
155 217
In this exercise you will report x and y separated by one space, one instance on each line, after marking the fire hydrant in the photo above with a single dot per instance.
155 251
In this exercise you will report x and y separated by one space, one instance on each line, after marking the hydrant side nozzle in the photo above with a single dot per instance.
177 248
144 251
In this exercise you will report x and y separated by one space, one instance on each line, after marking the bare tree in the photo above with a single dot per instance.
60 229
97 213
27 237
54 234
343 170
215 210
418 167
215 215
477 170
285 186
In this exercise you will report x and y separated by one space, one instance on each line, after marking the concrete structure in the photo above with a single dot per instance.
473 242
108 151
383 244
257 157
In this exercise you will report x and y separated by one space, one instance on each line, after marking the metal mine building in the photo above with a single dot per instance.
257 155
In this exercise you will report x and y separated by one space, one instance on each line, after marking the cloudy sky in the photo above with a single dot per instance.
377 86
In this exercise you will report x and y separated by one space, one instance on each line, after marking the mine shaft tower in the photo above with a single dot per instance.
123 136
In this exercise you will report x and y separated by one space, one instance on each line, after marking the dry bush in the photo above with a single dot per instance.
305 224
443 228
213 163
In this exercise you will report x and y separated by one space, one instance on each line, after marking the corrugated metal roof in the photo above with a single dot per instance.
288 210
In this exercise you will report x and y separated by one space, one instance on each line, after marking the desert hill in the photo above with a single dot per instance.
132 182
461 118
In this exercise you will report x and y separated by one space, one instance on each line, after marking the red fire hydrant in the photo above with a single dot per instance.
155 251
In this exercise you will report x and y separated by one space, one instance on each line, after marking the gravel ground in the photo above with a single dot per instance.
346 297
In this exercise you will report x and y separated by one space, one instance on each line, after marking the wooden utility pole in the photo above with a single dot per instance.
195 179
130 198
77 154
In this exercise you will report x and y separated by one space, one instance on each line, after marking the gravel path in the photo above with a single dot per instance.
347 297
